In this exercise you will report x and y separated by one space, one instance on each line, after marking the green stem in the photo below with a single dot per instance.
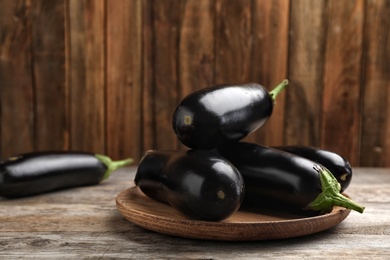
112 165
279 88
331 195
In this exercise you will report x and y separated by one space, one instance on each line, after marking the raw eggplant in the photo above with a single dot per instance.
336 164
40 172
198 183
281 180
211 116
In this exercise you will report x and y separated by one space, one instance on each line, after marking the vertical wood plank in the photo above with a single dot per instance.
105 76
375 142
148 126
269 62
306 61
197 42
124 78
165 54
341 104
197 57
16 81
49 74
86 75
233 41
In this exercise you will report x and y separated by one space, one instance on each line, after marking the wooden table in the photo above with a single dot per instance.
85 223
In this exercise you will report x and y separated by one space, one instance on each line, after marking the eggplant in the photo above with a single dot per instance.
211 116
41 172
281 180
200 184
335 163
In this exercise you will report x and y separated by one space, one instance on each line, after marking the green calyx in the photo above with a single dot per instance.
112 165
279 88
331 195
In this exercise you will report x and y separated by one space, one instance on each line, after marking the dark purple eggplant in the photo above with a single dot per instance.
198 183
211 116
40 172
282 180
336 164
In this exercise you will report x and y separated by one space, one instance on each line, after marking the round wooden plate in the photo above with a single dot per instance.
241 226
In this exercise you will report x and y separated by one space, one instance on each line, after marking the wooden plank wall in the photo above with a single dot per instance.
105 76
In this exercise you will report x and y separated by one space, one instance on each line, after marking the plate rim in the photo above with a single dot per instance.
337 215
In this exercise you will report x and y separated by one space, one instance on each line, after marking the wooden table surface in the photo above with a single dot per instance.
85 223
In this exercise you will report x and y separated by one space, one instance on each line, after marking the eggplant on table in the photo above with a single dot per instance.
335 163
281 180
198 183
211 116
40 172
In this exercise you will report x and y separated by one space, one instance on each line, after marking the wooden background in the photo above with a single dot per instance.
105 76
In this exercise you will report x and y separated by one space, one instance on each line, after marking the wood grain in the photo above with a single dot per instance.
48 50
196 47
305 70
107 75
148 131
342 74
86 75
269 62
123 114
166 17
197 43
91 210
375 136
84 223
233 41
16 79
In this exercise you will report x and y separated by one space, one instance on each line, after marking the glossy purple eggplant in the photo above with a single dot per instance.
40 172
198 183
282 180
211 116
335 163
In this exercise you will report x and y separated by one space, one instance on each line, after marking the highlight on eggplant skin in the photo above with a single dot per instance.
36 173
335 163
281 180
227 112
200 184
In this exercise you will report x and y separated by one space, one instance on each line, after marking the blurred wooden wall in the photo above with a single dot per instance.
105 76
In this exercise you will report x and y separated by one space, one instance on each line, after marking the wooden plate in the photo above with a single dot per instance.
243 225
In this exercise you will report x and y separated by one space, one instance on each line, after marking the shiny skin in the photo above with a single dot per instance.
211 116
335 163
274 178
198 183
36 173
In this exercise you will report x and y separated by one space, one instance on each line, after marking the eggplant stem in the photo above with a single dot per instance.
112 165
279 88
331 195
